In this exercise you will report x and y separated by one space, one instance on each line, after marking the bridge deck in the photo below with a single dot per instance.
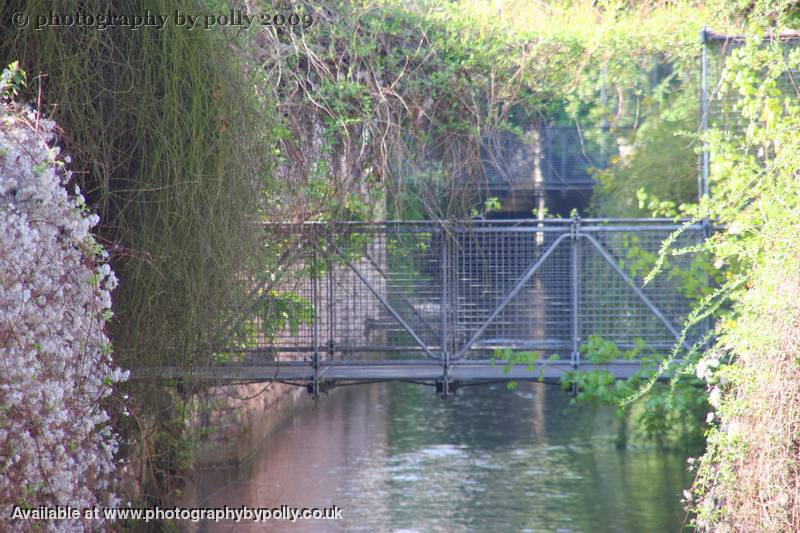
419 371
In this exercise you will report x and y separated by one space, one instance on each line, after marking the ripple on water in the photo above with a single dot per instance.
444 450
405 477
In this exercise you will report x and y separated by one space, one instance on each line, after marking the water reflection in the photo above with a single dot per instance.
397 459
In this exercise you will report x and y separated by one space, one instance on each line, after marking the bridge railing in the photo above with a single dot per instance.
462 290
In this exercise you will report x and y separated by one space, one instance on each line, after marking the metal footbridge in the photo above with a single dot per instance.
471 301
451 303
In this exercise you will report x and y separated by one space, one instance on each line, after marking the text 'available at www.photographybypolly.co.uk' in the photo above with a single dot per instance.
192 514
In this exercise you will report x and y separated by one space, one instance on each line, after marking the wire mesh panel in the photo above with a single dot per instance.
351 292
720 103
551 287
510 294
276 321
721 100
614 302
386 287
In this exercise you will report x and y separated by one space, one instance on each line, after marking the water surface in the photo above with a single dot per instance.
398 459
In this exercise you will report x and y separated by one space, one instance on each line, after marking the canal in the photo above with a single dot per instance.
398 459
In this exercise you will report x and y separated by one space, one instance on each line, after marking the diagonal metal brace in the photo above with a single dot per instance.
385 303
510 296
405 300
642 296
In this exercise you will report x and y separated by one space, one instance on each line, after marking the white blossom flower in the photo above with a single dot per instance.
715 397
56 447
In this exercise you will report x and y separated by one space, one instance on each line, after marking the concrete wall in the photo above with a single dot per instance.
241 416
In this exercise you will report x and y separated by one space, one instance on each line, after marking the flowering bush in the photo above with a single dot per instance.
56 446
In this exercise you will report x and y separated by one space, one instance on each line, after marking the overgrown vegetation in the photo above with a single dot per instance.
412 96
747 480
747 477
170 145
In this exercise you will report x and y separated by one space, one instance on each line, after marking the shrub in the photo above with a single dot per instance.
56 447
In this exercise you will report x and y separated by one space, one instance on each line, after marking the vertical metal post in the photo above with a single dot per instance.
452 295
702 186
314 390
575 295
540 137
562 134
603 119
445 309
331 309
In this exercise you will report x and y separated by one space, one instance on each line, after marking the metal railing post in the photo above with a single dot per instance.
445 309
314 390
702 186
705 107
575 295
331 345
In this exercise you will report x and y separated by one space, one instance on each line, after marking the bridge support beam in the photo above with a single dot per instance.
445 387
316 387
